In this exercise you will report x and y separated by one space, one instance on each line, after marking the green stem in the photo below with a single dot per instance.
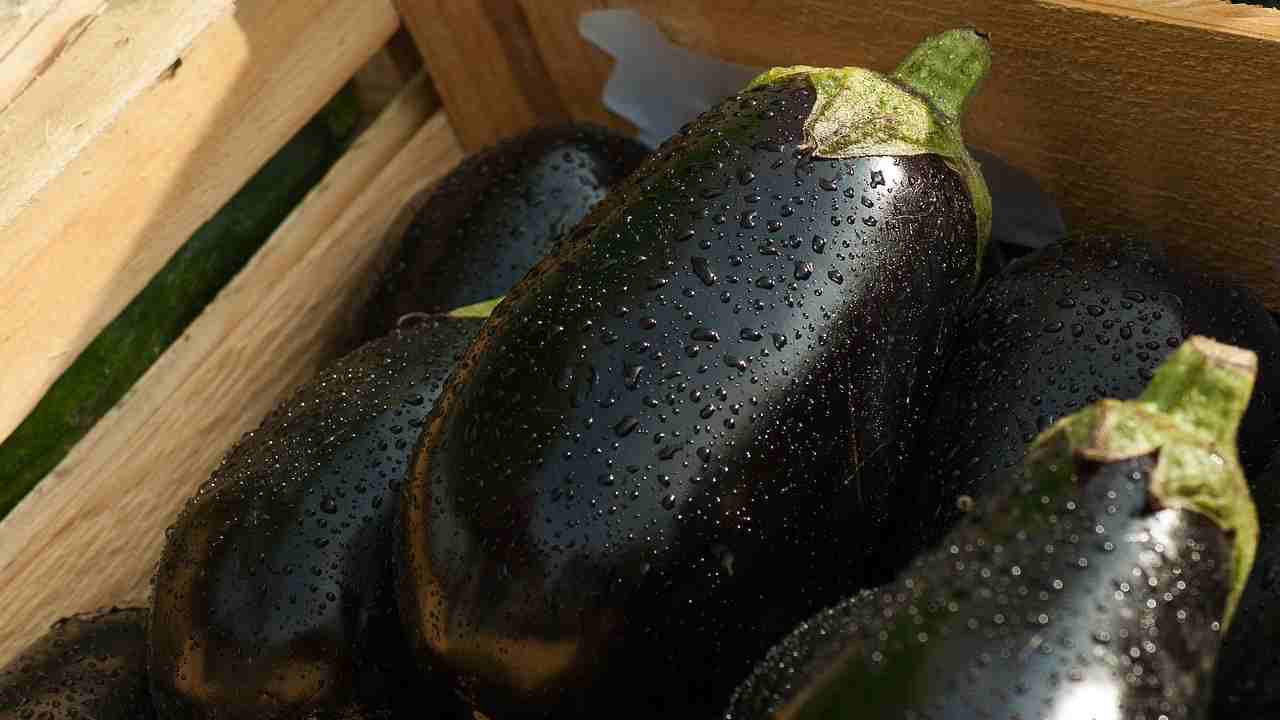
1206 386
947 69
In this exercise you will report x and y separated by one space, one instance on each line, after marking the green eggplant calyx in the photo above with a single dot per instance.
1189 414
481 309
917 111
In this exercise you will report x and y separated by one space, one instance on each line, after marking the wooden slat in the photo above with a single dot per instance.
386 73
1153 115
578 69
92 531
82 247
1246 19
486 66
34 34
109 60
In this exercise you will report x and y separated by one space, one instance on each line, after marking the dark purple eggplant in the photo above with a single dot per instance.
91 665
273 597
655 460
484 225
1247 683
1086 318
1094 585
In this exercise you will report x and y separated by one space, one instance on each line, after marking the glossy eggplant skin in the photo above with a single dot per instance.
273 596
484 225
91 665
665 443
1247 683
1080 601
1091 316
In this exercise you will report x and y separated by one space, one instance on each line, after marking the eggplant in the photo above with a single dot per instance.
91 665
273 596
1247 682
485 224
651 464
1095 584
1089 317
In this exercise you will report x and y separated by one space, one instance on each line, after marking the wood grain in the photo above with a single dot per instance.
34 34
90 534
1159 116
106 60
77 251
486 66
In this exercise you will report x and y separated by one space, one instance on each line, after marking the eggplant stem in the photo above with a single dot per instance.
947 69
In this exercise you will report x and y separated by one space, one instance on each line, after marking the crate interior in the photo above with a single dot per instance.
1154 115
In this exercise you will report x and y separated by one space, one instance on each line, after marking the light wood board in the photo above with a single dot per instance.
86 79
485 65
35 34
91 532
77 251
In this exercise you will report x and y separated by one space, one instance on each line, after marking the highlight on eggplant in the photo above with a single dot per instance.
1089 317
478 230
273 597
651 465
91 665
1095 584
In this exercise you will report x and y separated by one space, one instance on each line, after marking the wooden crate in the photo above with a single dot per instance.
125 125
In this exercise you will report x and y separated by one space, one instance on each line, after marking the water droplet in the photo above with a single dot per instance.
747 333
803 270
779 340
703 270
626 425
705 335
631 375
746 176
764 282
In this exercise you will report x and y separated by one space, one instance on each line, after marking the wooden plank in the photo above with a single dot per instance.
384 76
110 59
486 66
82 247
578 69
34 34
1248 20
1152 115
91 532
